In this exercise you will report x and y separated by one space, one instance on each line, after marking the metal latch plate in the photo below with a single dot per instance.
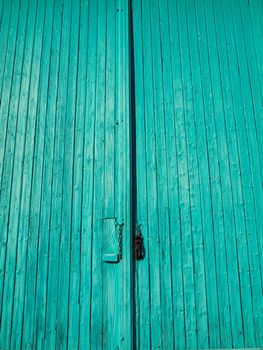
110 258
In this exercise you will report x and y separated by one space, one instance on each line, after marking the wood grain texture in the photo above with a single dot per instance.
198 96
66 174
64 171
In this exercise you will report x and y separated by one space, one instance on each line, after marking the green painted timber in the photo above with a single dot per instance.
199 140
151 117
65 181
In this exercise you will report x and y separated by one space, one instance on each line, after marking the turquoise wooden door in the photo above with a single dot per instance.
158 124
199 126
64 167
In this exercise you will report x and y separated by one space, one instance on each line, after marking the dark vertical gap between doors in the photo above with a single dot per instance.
133 169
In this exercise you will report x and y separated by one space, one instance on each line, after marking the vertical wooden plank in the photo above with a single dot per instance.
249 161
202 157
142 268
68 68
27 222
124 184
88 181
4 34
1 11
71 27
96 278
13 165
162 191
254 130
254 64
255 23
57 189
13 49
235 181
45 229
231 251
152 208
78 17
184 167
217 324
196 214
6 123
111 287
42 179
110 122
174 188
110 272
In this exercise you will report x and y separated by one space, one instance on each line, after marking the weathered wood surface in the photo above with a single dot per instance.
199 135
64 168
65 172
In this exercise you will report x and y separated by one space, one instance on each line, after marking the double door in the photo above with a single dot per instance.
121 120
